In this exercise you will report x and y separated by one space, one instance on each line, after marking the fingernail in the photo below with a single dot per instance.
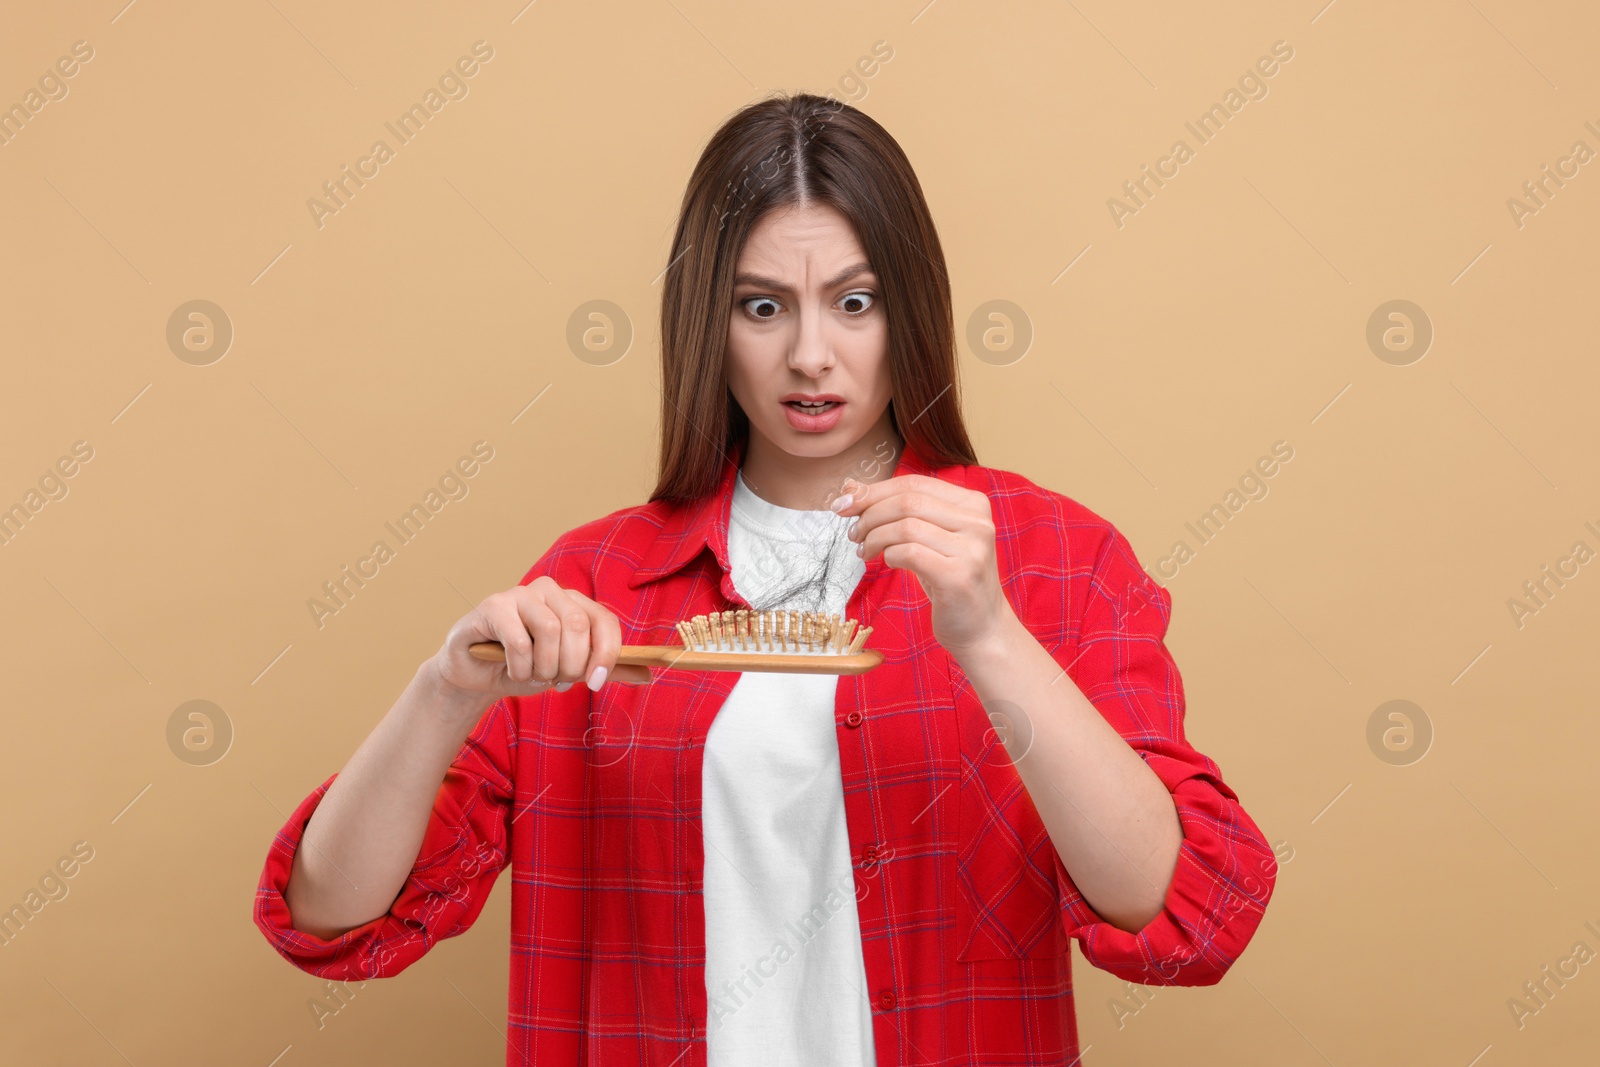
851 533
563 687
842 502
597 678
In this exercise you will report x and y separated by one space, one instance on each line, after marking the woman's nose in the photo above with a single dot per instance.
812 353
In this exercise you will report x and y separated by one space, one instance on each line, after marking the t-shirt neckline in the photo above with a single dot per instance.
790 524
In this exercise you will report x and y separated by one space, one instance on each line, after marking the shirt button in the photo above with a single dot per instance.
852 719
869 854
886 999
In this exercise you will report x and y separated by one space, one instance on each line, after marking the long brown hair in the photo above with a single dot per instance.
798 150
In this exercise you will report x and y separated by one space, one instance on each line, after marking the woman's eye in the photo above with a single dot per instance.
762 307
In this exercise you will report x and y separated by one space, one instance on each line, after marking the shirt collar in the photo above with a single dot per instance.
690 528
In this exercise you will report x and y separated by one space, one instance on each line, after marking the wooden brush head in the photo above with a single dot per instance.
777 641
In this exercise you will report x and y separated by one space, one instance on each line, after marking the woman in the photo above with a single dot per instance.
714 867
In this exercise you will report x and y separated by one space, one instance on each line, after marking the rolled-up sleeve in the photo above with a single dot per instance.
1225 870
463 849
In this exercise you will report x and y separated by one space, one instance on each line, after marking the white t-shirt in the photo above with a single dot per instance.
785 981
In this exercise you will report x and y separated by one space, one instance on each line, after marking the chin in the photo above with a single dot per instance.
812 445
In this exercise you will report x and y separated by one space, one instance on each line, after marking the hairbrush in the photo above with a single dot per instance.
787 642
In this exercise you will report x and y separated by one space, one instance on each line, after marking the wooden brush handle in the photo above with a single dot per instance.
677 657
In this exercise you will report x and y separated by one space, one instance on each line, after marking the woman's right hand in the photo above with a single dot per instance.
552 637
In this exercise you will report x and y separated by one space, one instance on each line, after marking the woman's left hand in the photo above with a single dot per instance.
943 534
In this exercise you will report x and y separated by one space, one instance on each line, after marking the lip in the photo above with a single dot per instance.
812 398
813 423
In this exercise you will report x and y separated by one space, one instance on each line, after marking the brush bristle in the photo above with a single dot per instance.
806 633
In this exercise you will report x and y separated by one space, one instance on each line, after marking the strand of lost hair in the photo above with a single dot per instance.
826 577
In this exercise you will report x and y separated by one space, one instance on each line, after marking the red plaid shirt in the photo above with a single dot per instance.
593 799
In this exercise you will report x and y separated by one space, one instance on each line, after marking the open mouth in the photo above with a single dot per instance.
812 409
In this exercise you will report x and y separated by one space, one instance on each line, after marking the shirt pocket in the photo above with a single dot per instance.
1007 904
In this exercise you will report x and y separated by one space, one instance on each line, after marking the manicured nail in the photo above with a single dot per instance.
563 687
851 533
842 502
597 678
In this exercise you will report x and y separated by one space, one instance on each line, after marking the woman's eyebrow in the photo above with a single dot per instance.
764 282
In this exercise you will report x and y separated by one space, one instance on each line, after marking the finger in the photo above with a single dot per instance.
914 557
903 506
864 493
911 531
544 611
507 623
577 627
909 494
605 637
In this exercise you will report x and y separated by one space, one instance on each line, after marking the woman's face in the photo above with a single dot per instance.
807 324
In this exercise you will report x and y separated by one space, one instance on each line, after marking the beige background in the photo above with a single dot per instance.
1227 314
